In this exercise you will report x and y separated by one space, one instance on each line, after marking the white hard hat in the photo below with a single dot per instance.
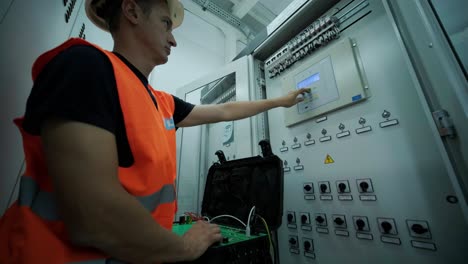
176 10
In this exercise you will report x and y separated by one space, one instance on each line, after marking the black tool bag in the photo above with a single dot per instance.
233 187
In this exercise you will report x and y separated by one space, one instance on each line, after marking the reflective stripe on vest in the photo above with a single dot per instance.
43 203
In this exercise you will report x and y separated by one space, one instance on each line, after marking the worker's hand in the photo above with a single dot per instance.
293 97
198 238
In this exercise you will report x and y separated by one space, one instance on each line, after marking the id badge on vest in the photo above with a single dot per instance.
169 123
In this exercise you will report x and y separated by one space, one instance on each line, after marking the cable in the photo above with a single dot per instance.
220 216
247 229
276 246
269 235
193 216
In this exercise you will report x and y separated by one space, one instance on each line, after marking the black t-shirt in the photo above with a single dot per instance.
79 85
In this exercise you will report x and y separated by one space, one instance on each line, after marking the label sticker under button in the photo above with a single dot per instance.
423 245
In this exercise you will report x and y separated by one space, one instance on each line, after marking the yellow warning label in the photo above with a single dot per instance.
329 159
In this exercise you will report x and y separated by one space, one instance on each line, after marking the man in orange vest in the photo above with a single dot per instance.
99 145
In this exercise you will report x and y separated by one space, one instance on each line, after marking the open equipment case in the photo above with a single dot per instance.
233 188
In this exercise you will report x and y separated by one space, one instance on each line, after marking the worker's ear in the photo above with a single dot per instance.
131 11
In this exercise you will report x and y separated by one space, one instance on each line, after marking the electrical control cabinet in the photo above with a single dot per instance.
364 182
366 176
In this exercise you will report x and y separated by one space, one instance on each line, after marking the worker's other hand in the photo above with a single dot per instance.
293 97
198 238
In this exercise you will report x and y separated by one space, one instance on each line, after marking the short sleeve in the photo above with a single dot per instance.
79 85
182 109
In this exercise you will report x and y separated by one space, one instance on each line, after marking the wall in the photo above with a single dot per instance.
200 50
25 33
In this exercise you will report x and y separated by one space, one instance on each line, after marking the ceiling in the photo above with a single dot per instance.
250 16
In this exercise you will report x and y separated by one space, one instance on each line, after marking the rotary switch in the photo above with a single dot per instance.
364 186
342 187
338 221
307 245
304 219
319 219
292 241
360 224
323 187
386 226
307 188
419 229
290 218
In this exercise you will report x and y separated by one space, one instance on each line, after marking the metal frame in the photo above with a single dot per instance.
244 129
443 84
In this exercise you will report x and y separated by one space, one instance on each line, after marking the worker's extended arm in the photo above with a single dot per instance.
97 211
204 114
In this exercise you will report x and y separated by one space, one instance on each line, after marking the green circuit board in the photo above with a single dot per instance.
234 235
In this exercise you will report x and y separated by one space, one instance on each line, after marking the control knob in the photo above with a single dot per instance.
304 219
307 245
360 224
386 226
290 218
323 187
292 241
338 221
419 229
319 219
342 187
364 186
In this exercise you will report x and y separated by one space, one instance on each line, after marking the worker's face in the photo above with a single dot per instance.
156 32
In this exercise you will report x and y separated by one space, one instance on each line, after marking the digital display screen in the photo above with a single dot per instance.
308 81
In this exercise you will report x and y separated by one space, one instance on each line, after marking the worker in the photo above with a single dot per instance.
100 148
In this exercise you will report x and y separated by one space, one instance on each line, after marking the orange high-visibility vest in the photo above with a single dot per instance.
31 231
